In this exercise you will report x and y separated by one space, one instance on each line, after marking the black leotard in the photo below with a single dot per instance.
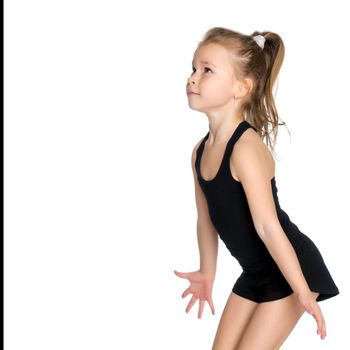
261 279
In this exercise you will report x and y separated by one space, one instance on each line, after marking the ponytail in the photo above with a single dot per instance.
267 115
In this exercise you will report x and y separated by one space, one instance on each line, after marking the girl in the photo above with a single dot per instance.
283 272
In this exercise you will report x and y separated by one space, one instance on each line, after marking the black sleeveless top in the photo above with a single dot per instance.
230 213
261 279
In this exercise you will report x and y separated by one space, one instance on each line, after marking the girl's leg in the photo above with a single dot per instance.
271 324
233 321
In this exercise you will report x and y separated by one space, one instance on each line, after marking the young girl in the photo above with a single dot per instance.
283 272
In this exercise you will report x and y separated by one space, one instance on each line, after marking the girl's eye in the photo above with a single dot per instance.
205 68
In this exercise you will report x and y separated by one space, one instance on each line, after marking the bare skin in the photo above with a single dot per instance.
235 318
201 288
246 325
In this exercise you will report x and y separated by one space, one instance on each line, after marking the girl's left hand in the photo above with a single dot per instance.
311 306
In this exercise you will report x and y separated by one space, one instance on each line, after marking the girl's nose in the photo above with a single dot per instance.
190 80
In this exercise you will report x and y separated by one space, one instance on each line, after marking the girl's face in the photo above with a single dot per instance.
212 83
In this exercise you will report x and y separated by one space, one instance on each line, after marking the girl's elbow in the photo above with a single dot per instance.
271 227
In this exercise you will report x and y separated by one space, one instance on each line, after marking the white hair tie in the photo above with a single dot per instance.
260 40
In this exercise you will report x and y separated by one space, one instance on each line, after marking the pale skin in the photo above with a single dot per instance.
244 324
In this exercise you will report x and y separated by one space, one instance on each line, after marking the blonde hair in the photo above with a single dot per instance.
262 65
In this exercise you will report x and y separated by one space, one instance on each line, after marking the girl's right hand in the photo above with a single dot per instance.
201 288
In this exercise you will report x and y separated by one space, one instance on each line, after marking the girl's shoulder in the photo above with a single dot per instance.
194 151
196 146
251 143
251 139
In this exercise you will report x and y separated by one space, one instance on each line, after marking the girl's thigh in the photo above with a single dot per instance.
271 324
234 319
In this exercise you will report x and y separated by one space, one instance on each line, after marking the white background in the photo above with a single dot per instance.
99 195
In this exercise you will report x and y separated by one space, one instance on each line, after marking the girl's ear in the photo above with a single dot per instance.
245 87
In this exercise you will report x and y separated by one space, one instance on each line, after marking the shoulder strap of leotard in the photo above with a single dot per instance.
199 152
241 128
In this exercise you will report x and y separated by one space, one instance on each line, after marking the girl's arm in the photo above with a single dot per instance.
208 249
206 234
284 254
249 162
